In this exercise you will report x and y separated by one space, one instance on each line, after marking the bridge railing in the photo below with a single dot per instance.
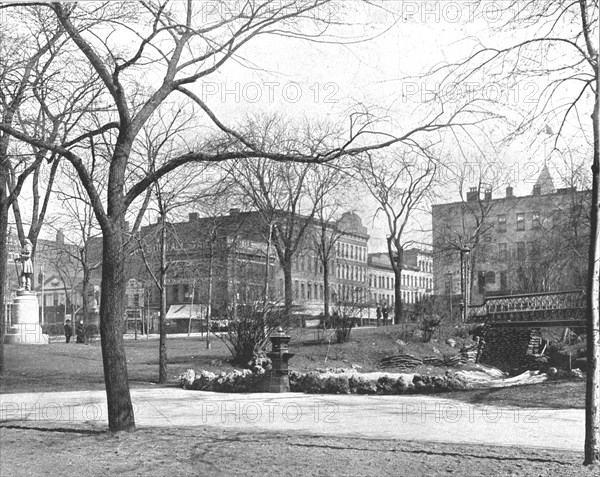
527 307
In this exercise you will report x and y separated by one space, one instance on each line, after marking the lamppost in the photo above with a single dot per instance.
464 282
449 282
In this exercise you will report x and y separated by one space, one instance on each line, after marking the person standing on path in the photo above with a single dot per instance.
68 331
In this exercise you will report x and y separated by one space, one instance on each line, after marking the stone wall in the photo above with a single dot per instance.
507 348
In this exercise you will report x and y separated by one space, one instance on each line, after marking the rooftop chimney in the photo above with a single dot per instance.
473 194
60 236
537 189
509 192
193 216
488 194
234 211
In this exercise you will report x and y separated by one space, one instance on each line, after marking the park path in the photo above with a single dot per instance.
414 417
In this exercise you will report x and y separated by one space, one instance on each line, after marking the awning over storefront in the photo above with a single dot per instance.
178 312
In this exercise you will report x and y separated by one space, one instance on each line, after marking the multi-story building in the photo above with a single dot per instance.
507 245
417 277
227 257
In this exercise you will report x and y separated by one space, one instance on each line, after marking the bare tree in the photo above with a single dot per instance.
178 46
288 198
326 235
555 44
477 181
76 222
30 81
400 182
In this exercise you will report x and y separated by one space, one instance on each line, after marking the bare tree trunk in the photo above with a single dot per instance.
397 269
326 286
3 265
120 409
289 296
592 395
398 305
85 286
210 292
162 326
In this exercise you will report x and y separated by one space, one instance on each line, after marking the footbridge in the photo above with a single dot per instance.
511 335
565 308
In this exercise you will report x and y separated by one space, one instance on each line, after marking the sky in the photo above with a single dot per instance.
397 41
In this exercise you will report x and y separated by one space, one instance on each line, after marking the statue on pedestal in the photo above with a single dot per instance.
26 274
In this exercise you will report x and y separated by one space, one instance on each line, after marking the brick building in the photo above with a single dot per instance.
511 244
230 252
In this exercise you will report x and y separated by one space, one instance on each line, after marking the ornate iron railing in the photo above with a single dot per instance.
552 306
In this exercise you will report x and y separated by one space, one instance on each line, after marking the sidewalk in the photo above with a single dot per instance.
414 417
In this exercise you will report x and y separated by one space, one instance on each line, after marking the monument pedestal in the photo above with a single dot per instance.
25 327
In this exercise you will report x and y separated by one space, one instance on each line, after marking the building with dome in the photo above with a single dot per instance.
489 245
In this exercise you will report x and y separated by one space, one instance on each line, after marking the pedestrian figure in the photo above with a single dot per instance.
68 331
384 312
378 314
80 331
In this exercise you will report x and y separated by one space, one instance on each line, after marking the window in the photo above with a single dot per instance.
302 291
520 250
502 251
490 278
309 291
503 280
502 223
520 221
535 220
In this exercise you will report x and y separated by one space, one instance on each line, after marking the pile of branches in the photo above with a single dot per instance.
405 361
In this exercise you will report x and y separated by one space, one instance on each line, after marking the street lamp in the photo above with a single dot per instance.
449 282
464 282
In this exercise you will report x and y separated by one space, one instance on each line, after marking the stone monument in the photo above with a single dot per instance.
25 324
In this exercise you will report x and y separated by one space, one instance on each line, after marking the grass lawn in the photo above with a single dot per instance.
42 448
61 367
